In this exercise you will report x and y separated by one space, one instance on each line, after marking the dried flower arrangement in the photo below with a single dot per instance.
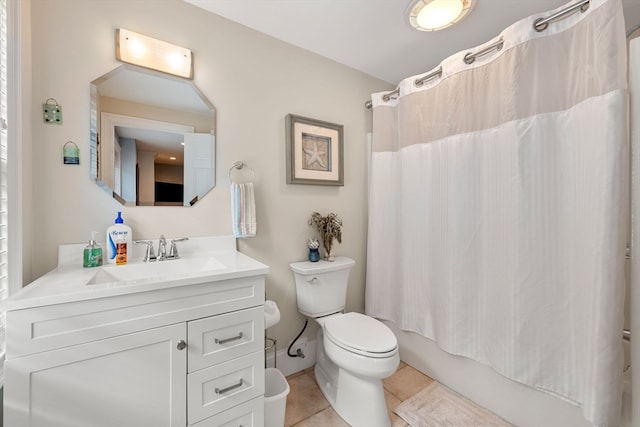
329 227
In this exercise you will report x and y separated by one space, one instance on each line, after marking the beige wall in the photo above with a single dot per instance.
253 80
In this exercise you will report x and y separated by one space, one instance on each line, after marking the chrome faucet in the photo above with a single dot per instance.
173 250
162 248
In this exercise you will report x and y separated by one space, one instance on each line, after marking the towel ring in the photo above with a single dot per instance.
240 165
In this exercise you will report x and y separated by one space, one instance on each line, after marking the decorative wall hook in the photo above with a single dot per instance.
52 112
70 153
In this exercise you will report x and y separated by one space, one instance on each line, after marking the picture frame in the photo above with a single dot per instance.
315 151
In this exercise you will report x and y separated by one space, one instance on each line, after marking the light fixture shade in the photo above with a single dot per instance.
433 15
158 55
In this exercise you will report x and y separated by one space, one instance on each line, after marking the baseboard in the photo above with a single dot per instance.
290 365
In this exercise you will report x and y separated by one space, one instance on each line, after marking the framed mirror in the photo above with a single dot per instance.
152 140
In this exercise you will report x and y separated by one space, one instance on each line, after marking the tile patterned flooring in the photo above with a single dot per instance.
307 407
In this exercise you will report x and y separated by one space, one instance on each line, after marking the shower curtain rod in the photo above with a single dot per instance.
539 25
437 73
417 82
470 57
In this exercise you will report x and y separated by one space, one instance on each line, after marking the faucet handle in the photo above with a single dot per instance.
149 254
173 250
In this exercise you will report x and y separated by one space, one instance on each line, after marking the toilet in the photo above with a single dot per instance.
354 352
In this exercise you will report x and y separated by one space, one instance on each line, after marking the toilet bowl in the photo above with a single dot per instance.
354 352
350 371
360 344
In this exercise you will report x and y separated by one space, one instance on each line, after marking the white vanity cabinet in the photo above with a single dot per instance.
187 355
136 379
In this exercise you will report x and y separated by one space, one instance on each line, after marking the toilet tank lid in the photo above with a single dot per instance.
322 266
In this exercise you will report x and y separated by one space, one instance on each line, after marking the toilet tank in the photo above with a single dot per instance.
321 287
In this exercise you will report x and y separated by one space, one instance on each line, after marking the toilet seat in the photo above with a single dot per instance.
360 334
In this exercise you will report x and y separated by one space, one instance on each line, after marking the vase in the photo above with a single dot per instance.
314 255
330 256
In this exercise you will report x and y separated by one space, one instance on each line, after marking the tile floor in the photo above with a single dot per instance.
307 407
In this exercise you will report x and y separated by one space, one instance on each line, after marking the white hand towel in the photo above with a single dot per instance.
243 210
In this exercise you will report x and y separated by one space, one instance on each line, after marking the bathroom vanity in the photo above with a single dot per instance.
180 345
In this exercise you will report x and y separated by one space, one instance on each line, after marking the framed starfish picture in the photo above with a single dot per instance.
314 151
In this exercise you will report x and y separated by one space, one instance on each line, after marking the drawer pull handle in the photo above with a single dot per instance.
182 345
231 387
226 340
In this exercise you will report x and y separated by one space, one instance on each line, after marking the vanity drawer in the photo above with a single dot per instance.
221 387
220 338
249 414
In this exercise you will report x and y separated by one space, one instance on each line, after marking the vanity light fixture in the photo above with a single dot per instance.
434 15
158 55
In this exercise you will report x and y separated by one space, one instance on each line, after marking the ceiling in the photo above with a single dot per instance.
164 144
374 36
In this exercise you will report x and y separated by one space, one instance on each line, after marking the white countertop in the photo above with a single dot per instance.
68 281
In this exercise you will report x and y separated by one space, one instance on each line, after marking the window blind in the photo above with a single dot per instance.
4 273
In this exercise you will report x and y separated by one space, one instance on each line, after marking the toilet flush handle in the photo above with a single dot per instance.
313 281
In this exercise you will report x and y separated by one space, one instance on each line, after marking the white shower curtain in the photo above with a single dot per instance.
499 207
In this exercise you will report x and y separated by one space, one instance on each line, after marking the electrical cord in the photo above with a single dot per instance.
296 339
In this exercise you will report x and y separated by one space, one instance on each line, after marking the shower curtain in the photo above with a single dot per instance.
499 207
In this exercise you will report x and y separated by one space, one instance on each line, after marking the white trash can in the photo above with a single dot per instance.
276 390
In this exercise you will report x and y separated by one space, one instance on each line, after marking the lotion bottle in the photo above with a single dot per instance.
115 234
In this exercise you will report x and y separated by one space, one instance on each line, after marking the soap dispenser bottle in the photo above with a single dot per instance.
117 233
92 256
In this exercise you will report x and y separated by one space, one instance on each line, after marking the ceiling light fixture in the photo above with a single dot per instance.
434 15
158 55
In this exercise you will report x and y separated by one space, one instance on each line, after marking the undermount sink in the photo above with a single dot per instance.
150 270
